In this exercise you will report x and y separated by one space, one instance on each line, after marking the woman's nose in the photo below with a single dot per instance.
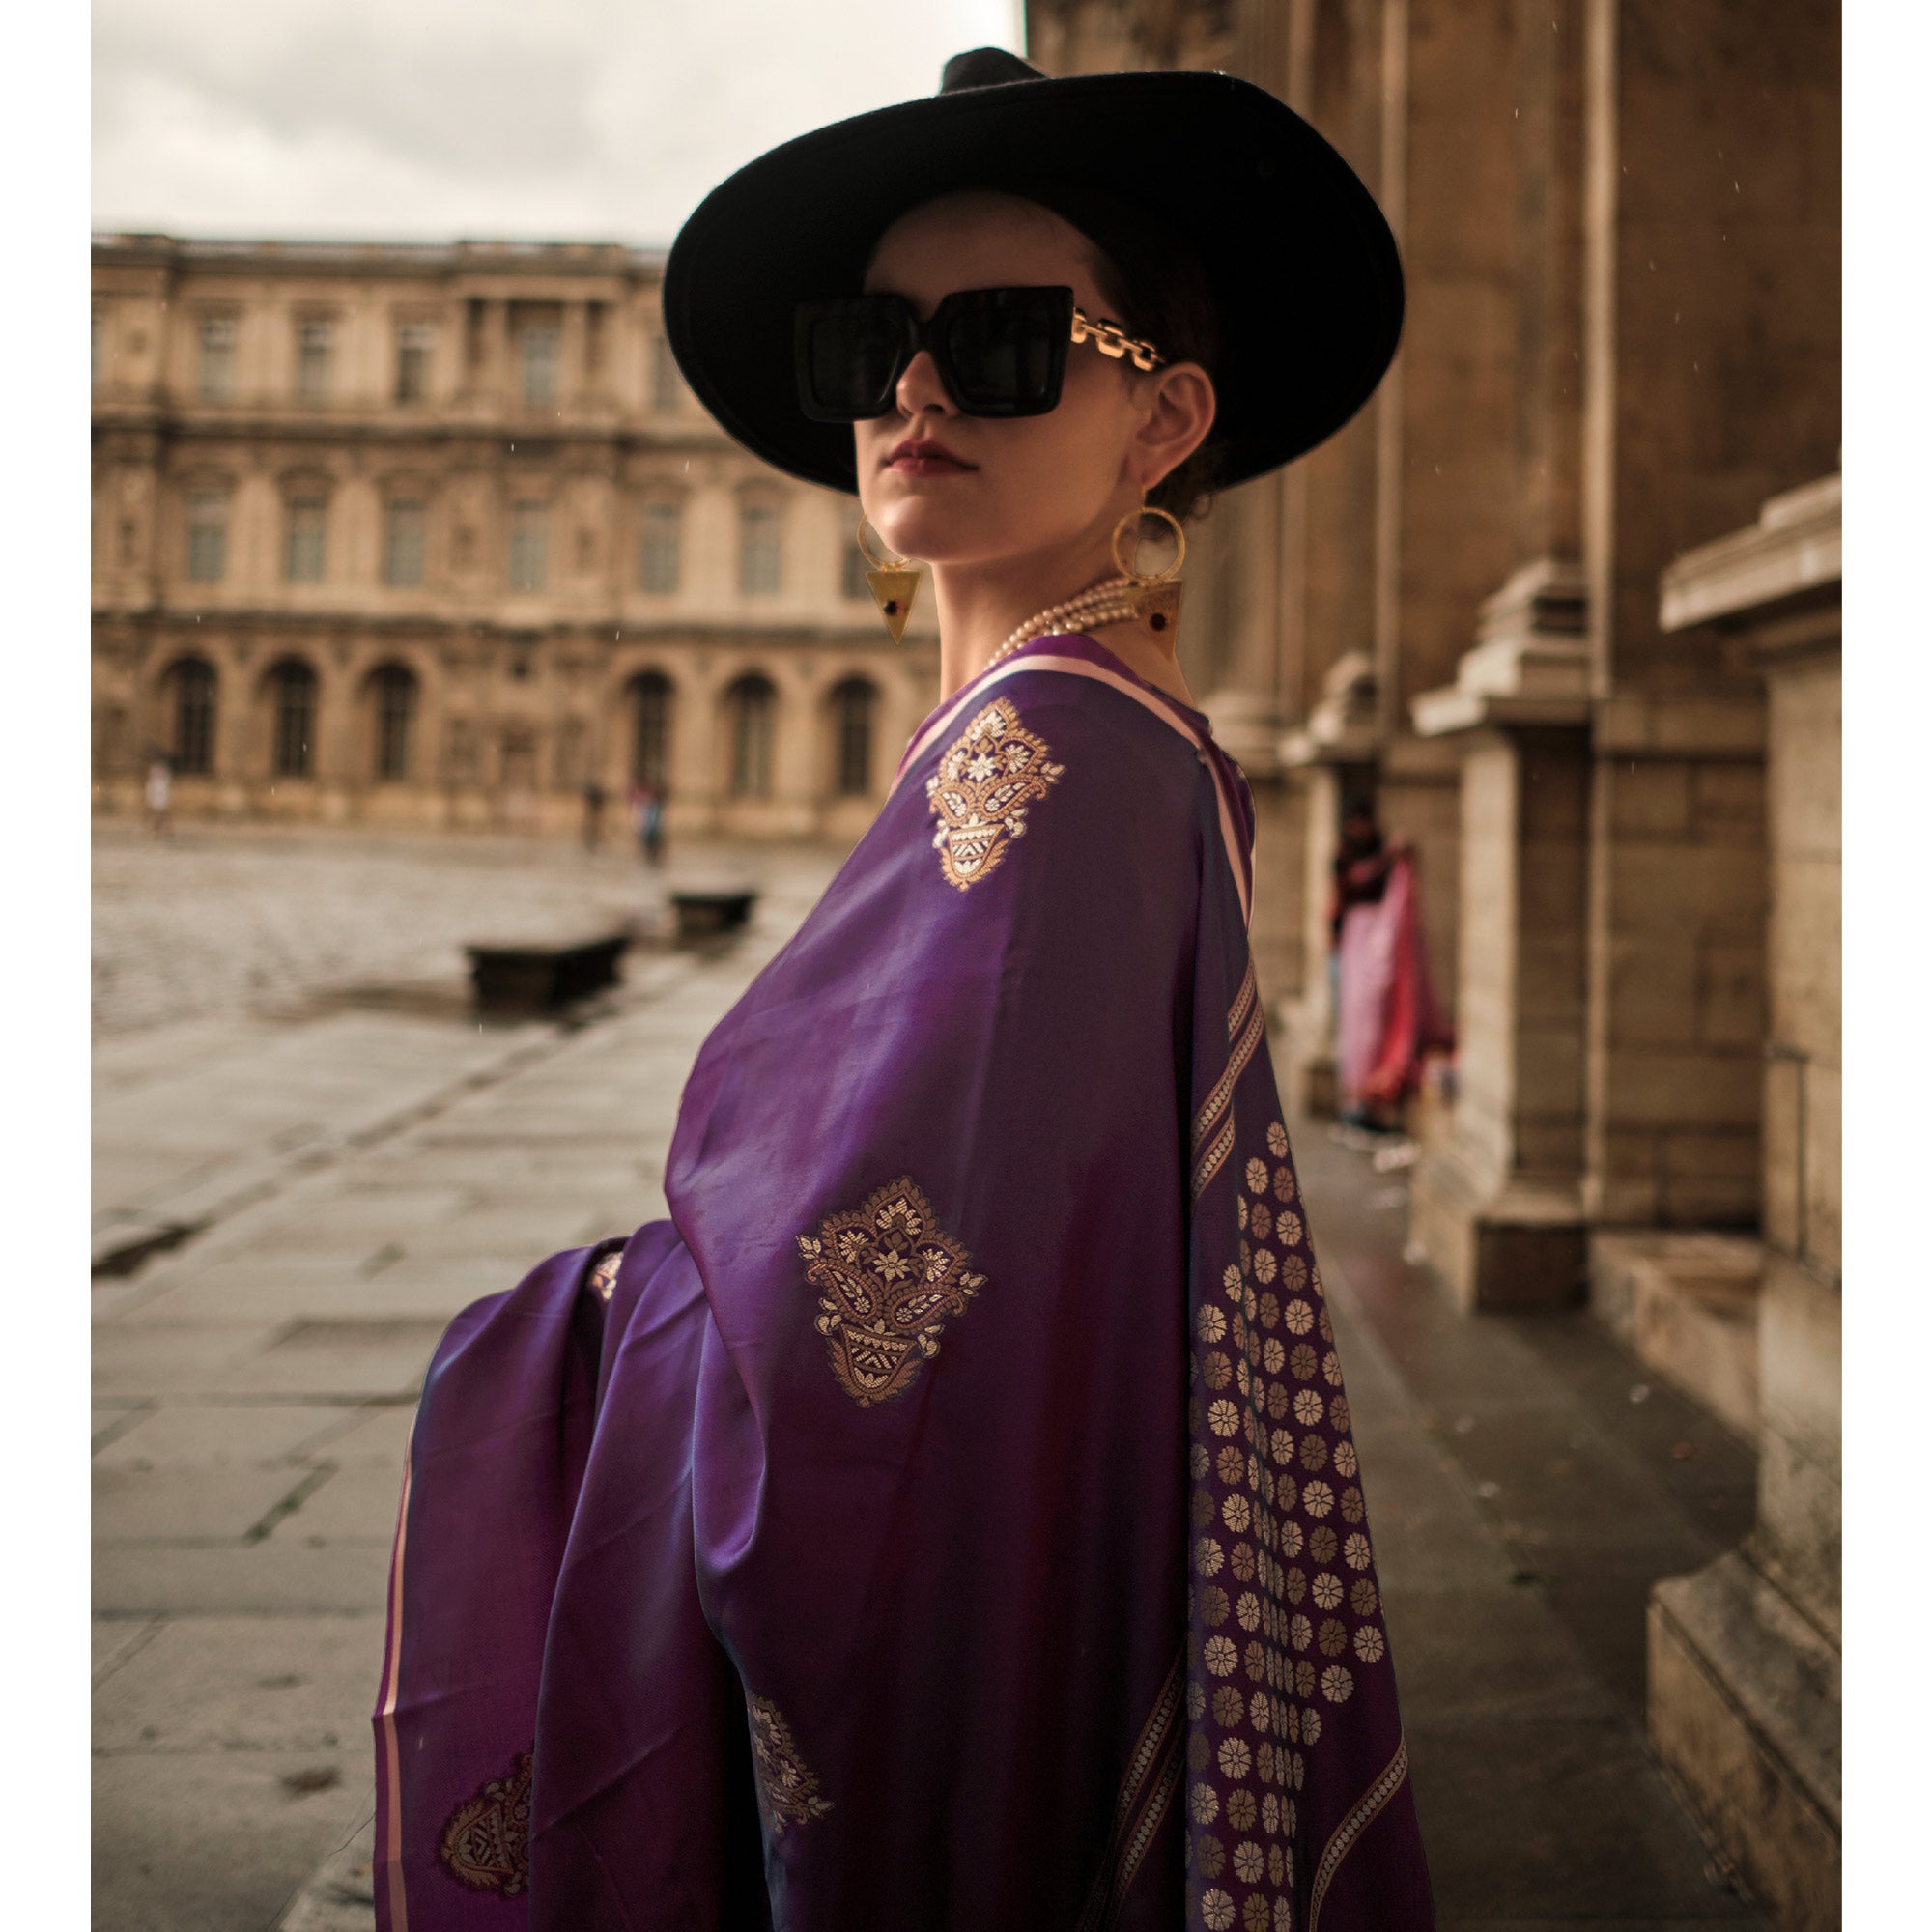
919 387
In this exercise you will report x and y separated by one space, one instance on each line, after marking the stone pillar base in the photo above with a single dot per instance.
1687 1305
1744 1712
1516 1246
1312 1092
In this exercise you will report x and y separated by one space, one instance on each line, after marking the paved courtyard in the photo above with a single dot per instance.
215 921
359 1161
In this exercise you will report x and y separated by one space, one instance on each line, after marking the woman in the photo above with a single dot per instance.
1386 1020
949 1517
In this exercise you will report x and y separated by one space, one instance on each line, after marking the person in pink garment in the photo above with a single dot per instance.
1386 1017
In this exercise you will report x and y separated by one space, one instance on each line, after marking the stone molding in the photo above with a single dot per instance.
1530 664
1343 726
1793 551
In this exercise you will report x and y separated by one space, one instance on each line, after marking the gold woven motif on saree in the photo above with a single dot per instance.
788 1788
980 791
486 1843
888 1277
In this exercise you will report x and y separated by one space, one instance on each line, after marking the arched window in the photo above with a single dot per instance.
853 703
752 705
395 688
293 684
194 691
650 737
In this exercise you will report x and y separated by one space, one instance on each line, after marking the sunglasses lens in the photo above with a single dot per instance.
849 356
1007 349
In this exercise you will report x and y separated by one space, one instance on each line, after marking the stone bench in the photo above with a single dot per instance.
534 977
704 912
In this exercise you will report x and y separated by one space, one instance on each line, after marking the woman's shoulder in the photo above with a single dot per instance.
1077 767
1095 703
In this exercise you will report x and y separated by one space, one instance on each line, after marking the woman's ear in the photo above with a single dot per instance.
1178 413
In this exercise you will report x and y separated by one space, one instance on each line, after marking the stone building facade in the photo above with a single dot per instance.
1562 600
436 537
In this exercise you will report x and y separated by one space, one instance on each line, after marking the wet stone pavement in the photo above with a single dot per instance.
365 1168
1528 1484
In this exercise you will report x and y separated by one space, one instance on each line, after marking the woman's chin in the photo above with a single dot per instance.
917 526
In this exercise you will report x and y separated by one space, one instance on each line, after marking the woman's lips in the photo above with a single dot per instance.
925 459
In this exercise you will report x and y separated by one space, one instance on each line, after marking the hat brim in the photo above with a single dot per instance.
1298 255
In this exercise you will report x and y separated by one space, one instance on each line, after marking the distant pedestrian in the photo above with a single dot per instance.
593 814
158 796
647 821
1385 1012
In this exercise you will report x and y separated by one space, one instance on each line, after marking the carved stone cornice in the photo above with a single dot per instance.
1791 559
1342 728
1530 664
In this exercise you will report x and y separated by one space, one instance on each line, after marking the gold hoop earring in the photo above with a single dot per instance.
1156 598
894 585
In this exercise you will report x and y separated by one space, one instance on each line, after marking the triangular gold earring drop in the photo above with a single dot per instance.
1161 609
894 591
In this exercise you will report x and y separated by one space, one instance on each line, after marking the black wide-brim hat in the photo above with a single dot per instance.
1295 250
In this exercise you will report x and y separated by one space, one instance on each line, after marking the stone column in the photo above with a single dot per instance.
1711 355
1332 756
1745 1655
1498 1206
485 379
1244 705
573 383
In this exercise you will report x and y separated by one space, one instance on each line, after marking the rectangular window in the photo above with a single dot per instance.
207 535
529 545
294 686
752 733
404 530
412 346
758 549
215 380
395 721
658 557
667 386
194 717
315 353
852 750
308 518
541 349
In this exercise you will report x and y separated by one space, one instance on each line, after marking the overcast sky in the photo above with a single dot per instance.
437 118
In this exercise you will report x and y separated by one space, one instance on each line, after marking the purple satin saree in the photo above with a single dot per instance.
948 1518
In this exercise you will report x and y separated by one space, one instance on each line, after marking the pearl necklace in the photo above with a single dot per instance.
1109 603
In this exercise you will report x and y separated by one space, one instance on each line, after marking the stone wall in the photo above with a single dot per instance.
1745 1655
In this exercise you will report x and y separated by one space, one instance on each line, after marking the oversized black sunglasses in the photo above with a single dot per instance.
999 351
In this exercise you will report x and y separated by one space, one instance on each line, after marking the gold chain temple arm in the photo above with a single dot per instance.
1111 339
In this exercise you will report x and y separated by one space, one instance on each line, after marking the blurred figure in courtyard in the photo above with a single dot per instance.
1386 1017
647 821
160 796
593 814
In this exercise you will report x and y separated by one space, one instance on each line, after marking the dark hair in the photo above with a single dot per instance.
1157 288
